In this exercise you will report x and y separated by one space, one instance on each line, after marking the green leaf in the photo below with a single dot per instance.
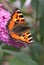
1 54
12 0
0 42
22 2
36 50
22 59
41 29
10 48
38 4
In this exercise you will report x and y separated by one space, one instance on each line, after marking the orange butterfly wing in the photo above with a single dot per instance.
17 18
27 37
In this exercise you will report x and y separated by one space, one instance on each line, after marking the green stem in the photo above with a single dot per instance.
37 7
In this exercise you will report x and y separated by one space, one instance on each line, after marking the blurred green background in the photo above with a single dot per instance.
33 11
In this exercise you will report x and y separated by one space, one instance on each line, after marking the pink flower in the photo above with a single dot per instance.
4 34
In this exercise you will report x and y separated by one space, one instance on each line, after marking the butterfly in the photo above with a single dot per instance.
18 29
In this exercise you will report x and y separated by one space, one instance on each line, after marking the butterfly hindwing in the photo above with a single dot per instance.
27 37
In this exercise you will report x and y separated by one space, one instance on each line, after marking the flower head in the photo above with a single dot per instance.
4 34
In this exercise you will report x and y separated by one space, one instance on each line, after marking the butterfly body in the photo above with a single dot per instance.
18 29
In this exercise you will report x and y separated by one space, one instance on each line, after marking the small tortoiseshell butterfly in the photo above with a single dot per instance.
18 29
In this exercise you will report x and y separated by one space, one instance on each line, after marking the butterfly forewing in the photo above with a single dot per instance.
16 19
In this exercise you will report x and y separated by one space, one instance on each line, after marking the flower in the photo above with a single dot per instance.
4 34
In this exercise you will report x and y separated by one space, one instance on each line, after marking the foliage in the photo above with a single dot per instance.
12 0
